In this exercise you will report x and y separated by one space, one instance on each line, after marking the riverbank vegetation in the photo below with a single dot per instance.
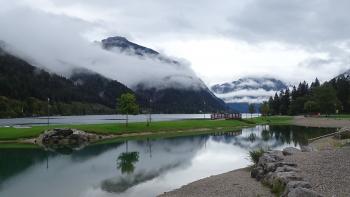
12 133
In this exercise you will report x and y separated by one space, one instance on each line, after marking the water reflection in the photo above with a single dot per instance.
126 162
144 167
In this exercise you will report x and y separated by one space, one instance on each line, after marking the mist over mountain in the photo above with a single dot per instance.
87 92
345 75
238 94
172 96
248 89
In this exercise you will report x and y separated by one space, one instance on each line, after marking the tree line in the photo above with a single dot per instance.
328 98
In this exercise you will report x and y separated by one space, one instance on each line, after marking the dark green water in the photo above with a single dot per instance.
138 168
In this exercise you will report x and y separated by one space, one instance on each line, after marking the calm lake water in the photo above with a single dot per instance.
138 168
98 119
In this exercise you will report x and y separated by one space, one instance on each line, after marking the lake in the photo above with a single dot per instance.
99 119
138 167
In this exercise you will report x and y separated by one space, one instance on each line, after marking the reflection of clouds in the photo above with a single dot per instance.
121 184
261 136
148 168
163 165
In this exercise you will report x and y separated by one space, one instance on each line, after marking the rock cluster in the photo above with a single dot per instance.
65 136
344 133
279 175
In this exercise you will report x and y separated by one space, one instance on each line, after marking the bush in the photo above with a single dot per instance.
255 155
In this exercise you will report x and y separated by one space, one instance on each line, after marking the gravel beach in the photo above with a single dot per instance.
328 171
235 183
321 122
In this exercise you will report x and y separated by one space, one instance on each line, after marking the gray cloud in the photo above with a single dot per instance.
315 26
299 22
55 42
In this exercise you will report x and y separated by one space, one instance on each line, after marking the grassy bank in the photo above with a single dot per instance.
169 127
339 116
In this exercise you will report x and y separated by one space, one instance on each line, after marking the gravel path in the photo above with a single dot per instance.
328 171
321 122
236 183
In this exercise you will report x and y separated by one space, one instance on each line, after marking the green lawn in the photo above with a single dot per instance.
10 133
339 116
275 120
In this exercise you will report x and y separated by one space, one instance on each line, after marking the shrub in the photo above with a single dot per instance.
255 155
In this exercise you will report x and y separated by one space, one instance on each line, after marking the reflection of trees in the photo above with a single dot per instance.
252 137
126 162
274 136
120 184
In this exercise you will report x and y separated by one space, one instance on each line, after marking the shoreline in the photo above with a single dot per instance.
329 155
107 132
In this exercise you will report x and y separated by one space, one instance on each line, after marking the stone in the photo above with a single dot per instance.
269 158
257 173
287 169
290 151
283 163
59 138
270 167
306 149
344 133
295 184
303 192
286 177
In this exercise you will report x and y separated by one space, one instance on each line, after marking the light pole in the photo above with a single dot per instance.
48 112
204 109
150 111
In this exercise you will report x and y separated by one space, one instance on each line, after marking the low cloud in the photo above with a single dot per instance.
56 43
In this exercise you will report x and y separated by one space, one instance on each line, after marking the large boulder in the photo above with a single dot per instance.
290 151
65 136
306 149
344 133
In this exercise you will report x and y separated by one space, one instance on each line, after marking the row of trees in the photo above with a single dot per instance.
328 98
10 108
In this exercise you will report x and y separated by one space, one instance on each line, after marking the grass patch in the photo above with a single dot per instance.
278 188
254 155
10 133
337 116
273 120
173 127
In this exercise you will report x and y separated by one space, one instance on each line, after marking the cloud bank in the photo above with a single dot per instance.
292 40
57 44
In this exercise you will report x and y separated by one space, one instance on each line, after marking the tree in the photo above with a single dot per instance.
311 107
251 109
315 84
126 162
326 98
265 109
126 104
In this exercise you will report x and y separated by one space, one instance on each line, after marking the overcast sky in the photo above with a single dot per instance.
222 40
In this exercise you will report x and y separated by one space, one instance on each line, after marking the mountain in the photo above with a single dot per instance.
124 45
238 94
169 99
25 88
345 75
